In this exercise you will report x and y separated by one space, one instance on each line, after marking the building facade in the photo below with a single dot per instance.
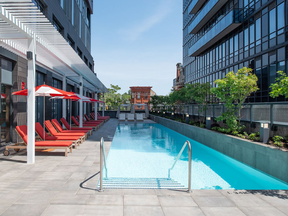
179 81
62 31
140 95
225 35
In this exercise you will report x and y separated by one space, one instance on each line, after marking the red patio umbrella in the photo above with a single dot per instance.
44 91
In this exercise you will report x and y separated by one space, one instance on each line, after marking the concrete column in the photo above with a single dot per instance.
103 104
81 103
85 104
64 102
31 102
95 106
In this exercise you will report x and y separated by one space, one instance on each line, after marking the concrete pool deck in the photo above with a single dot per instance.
58 185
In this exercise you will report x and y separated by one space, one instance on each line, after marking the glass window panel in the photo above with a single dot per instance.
272 23
258 74
258 28
272 69
281 54
252 33
264 25
280 16
281 66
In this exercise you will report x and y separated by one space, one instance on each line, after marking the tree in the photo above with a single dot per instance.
233 91
112 98
199 92
280 87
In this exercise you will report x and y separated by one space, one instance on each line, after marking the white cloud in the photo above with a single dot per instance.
133 33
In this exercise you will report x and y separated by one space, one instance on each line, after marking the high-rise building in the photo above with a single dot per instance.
59 33
179 81
225 35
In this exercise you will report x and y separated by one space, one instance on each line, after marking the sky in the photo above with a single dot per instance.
137 43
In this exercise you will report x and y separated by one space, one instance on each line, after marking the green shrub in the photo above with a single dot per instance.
235 133
202 125
252 136
257 138
257 133
191 122
223 130
286 138
277 140
215 128
241 136
245 134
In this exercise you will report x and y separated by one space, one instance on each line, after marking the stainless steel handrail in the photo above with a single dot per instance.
190 165
102 155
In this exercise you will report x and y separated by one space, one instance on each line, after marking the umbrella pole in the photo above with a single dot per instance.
44 119
70 112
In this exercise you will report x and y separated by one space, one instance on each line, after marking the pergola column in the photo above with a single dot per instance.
85 103
103 104
95 106
64 103
81 103
31 102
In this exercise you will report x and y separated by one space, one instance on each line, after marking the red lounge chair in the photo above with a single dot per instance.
66 124
22 132
53 131
104 117
60 129
39 131
101 122
96 126
99 117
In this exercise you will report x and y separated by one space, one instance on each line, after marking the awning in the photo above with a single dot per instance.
21 20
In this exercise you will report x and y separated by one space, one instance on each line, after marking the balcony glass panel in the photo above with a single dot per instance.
195 6
232 17
202 14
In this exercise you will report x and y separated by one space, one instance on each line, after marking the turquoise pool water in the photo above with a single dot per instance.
149 150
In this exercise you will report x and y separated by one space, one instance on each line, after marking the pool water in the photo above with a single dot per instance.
149 150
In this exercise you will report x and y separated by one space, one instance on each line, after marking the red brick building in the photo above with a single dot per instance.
140 95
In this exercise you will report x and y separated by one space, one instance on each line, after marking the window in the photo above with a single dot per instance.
39 4
70 41
90 66
85 60
57 25
280 16
79 52
138 95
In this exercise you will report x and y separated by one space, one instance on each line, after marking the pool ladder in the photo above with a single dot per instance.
102 159
189 167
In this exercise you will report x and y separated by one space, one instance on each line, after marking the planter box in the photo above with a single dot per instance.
269 159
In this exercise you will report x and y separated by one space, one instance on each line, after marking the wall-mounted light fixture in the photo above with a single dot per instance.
208 123
187 118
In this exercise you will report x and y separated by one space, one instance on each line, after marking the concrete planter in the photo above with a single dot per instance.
269 159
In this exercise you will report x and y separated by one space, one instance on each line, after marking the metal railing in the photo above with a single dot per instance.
102 158
189 166
271 112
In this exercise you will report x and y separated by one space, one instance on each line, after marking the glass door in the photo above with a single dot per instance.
5 114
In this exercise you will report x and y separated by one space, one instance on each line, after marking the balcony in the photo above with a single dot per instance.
227 24
195 5
205 15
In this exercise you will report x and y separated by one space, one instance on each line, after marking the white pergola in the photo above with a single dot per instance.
24 28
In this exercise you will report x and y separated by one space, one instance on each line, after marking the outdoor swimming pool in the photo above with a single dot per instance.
149 150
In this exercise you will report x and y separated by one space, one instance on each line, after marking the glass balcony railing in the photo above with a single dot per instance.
195 5
227 24
205 15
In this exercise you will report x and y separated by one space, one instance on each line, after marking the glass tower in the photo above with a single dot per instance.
224 35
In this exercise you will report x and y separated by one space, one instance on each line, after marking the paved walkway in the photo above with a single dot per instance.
58 185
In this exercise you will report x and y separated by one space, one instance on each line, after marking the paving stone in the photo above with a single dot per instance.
54 176
9 197
182 211
43 185
217 201
139 192
116 200
275 199
263 211
138 200
103 210
143 211
61 210
283 209
176 201
25 209
248 200
4 207
222 211
36 197
69 198
78 176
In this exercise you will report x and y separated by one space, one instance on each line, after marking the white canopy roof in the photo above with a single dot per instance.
21 20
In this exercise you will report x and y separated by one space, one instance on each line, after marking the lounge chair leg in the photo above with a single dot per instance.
66 152
71 149
75 144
